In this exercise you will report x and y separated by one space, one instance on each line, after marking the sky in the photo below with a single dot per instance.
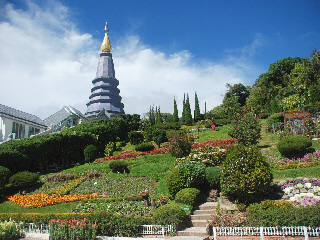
49 49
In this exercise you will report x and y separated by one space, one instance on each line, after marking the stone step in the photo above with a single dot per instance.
194 231
201 212
202 217
208 206
198 223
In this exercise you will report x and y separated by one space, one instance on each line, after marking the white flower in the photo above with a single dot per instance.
299 186
310 194
317 197
287 190
316 189
292 199
95 183
303 194
308 185
297 196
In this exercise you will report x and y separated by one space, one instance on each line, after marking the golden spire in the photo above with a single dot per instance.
106 46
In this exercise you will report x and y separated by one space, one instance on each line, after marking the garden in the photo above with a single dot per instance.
158 176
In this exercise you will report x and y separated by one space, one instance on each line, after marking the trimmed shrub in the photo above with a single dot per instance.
144 147
180 144
221 121
169 214
186 175
213 175
188 196
276 118
24 179
119 166
294 146
159 136
90 153
136 137
245 175
246 129
5 174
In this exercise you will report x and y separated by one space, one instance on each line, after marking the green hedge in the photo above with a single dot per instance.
294 146
188 196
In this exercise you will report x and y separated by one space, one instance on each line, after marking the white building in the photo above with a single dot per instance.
19 124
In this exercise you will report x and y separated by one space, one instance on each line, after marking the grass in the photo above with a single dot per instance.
309 172
219 133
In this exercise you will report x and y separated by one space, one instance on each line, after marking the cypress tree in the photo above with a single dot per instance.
158 116
151 116
188 116
197 115
175 111
183 109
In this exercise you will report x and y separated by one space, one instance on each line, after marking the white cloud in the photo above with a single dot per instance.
47 63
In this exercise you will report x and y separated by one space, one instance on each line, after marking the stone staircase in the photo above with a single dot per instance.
203 215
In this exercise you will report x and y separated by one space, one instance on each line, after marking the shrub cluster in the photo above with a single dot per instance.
180 144
246 129
188 196
213 175
282 213
90 153
9 230
5 174
169 214
136 137
22 180
119 166
294 146
245 174
144 147
185 175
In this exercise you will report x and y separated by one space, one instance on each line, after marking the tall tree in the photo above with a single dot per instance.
151 116
183 109
175 111
188 116
197 115
158 116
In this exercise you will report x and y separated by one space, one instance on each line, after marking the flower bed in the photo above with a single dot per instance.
301 191
311 159
42 200
61 177
226 142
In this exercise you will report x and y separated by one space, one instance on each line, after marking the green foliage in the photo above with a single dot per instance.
159 136
197 115
144 147
5 174
169 214
188 196
119 166
213 175
136 137
90 153
294 146
169 125
245 174
24 179
185 175
275 118
9 230
175 111
282 213
187 110
180 144
246 129
222 121
239 91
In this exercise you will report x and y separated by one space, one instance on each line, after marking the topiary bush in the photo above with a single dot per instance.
188 196
185 175
119 166
24 179
5 174
169 214
245 175
180 144
159 136
90 153
294 146
144 147
135 137
213 175
246 129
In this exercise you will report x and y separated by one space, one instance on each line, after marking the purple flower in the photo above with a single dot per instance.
311 190
315 184
289 179
304 203
314 179
307 198
290 195
306 180
299 199
314 200
295 191
298 181
291 184
303 190
299 178
284 186
285 196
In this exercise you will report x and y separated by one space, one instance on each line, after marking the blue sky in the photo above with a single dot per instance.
161 49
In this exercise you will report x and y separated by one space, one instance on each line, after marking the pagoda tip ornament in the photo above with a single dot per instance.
106 46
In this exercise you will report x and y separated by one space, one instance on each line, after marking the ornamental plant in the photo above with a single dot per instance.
9 230
294 146
245 175
246 129
188 196
169 214
180 144
90 153
24 179
301 191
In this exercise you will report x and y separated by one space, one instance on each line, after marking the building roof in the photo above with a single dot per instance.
61 115
22 116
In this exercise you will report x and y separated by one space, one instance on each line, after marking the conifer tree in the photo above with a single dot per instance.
197 115
151 116
158 116
183 109
175 111
188 116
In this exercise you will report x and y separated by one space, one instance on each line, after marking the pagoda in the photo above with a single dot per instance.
104 101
